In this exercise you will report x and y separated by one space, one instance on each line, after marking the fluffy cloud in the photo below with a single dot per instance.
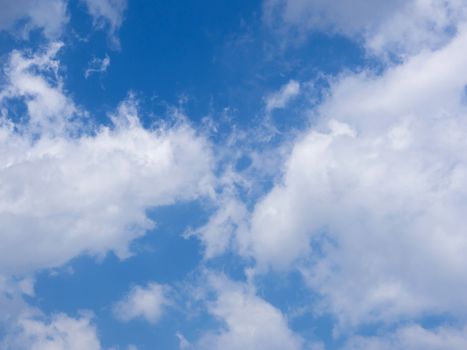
66 190
146 302
107 14
398 26
372 203
48 15
35 81
62 197
60 333
250 322
218 233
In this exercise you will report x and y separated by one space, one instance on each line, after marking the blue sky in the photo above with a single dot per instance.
271 174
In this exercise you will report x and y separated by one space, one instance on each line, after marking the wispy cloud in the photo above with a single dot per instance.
281 98
108 15
50 16
97 66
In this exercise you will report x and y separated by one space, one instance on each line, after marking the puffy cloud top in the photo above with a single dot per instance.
66 190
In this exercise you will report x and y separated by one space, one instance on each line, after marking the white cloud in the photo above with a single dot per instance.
12 304
108 14
282 97
64 197
60 333
183 343
48 15
219 231
97 65
66 190
146 302
402 27
250 322
413 337
35 80
20 17
372 203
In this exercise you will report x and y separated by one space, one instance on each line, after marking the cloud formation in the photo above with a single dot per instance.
413 337
35 80
61 332
146 302
108 15
97 65
282 97
401 27
371 205
368 206
250 322
67 190
48 15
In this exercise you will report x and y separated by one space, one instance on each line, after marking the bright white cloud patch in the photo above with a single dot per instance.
396 26
146 302
250 322
372 204
35 80
60 333
108 14
48 15
63 195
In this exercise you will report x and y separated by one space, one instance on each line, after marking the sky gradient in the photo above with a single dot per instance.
235 175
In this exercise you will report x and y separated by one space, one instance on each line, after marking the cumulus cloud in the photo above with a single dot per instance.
249 321
282 97
402 27
59 333
48 15
372 203
67 190
107 14
146 302
90 195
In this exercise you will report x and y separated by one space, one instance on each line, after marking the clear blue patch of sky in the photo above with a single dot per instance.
216 54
